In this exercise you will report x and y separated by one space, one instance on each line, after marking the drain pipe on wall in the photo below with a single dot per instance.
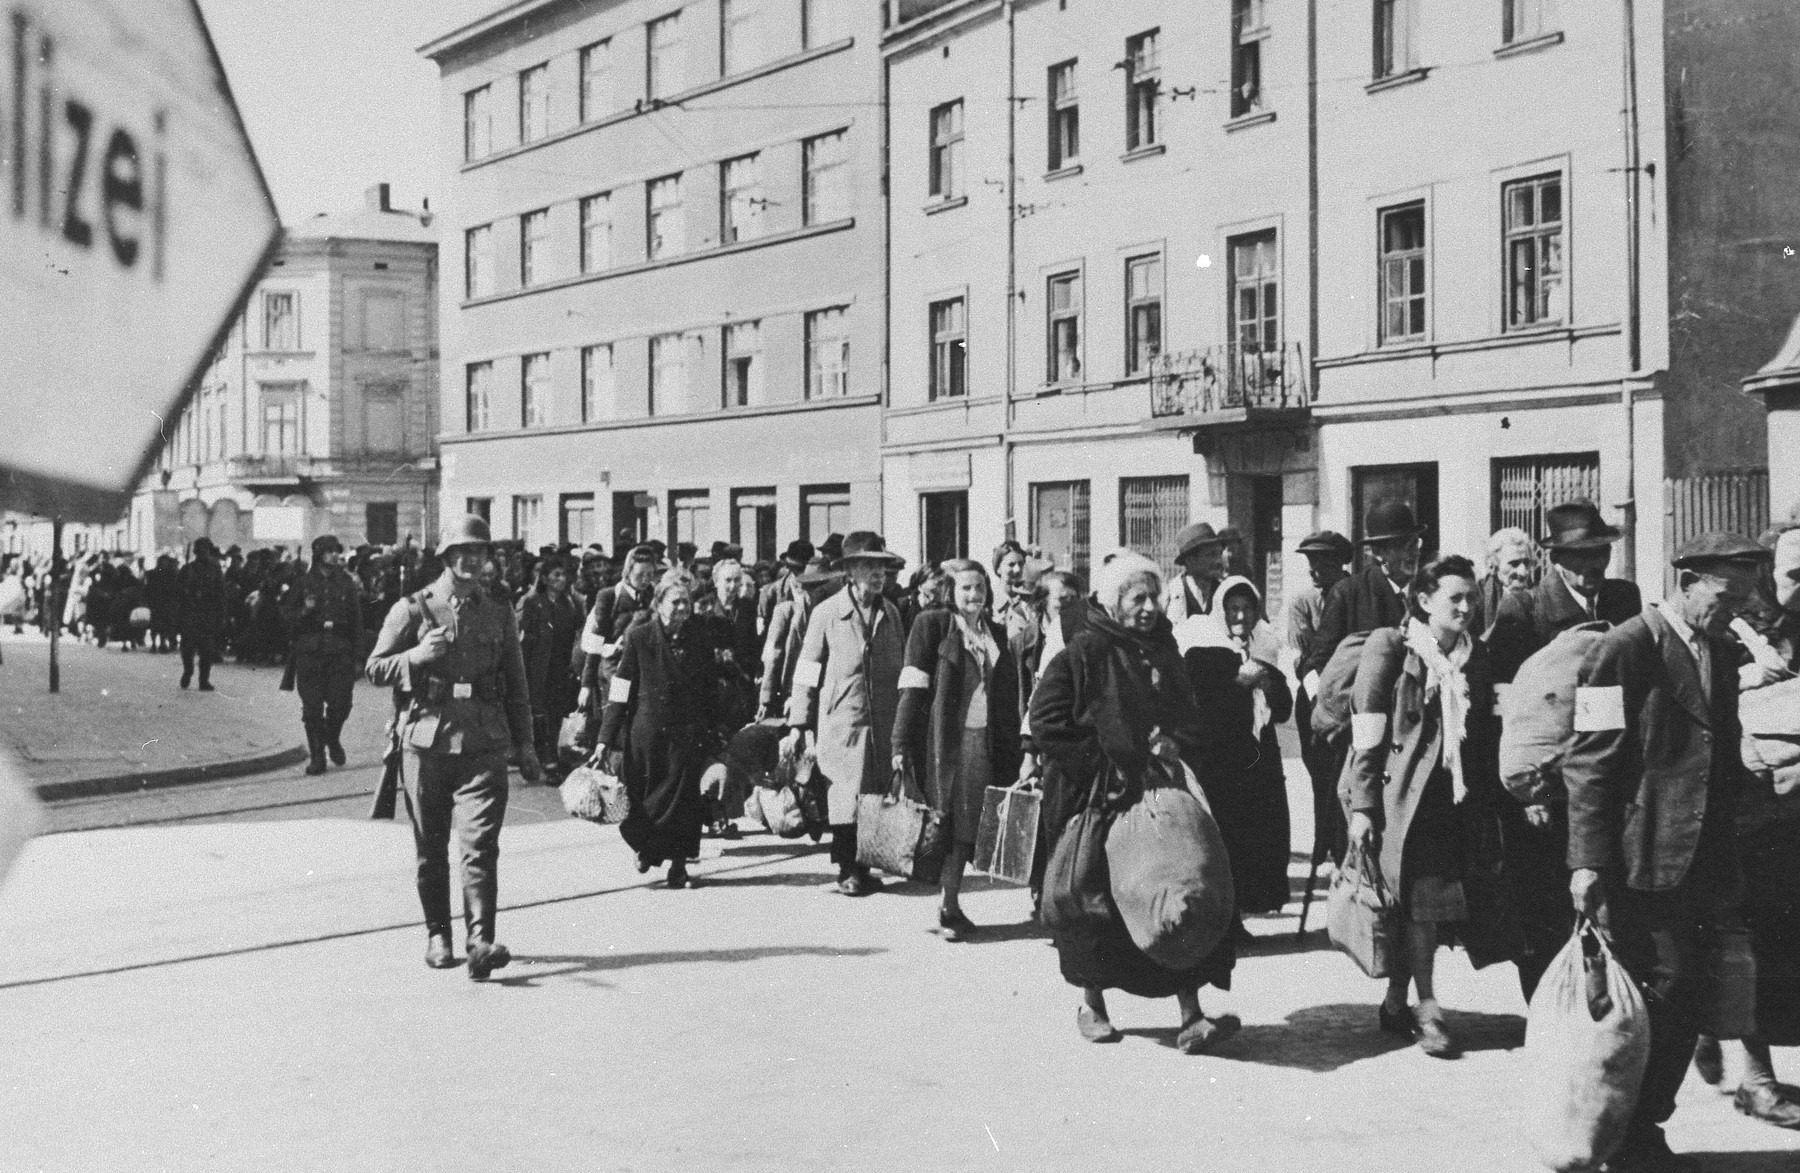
1634 357
1012 260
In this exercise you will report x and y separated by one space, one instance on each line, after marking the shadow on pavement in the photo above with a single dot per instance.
565 965
772 880
1284 944
1025 930
1752 1162
1325 1038
782 847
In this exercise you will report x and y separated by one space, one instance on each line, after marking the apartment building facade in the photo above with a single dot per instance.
320 413
664 318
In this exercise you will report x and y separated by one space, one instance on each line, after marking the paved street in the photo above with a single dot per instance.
248 993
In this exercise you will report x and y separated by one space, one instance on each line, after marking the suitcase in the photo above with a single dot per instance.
1006 841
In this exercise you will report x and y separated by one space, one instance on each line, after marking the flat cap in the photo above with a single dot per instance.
1718 546
1327 541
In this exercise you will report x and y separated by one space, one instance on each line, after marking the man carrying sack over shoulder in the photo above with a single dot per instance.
456 653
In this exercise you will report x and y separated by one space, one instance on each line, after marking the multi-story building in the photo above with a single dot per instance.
319 413
665 315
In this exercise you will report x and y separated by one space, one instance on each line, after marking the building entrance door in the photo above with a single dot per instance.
631 521
944 519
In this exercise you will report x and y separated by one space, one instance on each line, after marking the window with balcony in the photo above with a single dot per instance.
667 227
743 364
1533 239
479 397
825 185
534 391
827 353
596 232
599 84
534 103
1249 28
599 391
1255 325
281 420
478 123
1396 37
526 514
945 164
740 36
740 200
534 246
478 261
1063 302
665 70
1524 20
1402 274
949 349
1143 312
1143 82
281 321
668 374
1065 117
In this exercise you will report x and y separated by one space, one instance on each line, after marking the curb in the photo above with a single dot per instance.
159 779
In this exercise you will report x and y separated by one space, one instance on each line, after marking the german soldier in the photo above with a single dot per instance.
324 619
455 652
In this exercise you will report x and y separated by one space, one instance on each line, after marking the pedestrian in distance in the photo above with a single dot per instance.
325 632
202 586
1512 562
1200 552
549 621
617 610
1373 598
1327 555
792 563
786 635
956 731
455 653
1654 778
1424 772
846 692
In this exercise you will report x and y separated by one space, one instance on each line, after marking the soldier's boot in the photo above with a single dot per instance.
484 955
438 952
333 746
315 748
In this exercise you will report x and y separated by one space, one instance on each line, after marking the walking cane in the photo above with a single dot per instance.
1312 877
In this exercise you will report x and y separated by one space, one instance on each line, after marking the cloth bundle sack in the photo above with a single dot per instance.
1169 873
1006 840
1771 720
1537 715
900 835
1361 917
1077 890
140 617
1331 709
597 797
1587 1040
778 809
575 738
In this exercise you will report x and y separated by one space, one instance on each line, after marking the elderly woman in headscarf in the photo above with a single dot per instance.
1230 654
1113 713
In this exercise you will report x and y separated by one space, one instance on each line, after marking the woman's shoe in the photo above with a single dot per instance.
1095 1029
1435 1041
678 877
1400 1022
955 926
1203 1034
643 863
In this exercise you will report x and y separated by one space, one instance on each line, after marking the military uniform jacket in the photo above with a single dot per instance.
323 611
473 701
1652 762
1529 620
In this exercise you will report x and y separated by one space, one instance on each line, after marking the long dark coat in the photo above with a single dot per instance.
665 728
1091 717
1363 602
1528 620
934 698
548 630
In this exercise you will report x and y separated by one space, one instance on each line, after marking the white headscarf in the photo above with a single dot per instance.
1210 631
1119 569
1446 682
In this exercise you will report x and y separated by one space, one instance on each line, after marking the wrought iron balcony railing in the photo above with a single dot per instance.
1215 379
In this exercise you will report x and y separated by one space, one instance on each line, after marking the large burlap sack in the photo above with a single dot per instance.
1331 708
1537 715
1587 1039
1771 711
1170 876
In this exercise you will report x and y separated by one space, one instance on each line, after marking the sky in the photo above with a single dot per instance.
335 96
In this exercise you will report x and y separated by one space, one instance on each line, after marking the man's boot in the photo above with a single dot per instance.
479 900
333 727
315 748
438 952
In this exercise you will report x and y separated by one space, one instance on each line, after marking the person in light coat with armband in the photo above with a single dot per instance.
846 693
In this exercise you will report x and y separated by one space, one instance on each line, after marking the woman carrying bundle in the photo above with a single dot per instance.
1423 778
957 726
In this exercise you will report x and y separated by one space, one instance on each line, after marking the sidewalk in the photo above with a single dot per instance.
120 722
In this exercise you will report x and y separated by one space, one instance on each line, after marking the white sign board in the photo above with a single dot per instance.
279 523
133 219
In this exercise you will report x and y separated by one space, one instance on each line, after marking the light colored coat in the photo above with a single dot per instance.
846 686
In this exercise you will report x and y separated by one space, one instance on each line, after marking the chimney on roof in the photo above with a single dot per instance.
377 198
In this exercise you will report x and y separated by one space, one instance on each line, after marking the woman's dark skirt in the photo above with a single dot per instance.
662 778
1431 862
1771 858
1251 808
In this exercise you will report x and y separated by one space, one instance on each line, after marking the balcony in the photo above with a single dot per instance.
283 470
1223 386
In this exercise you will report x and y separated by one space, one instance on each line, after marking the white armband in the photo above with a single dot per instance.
911 677
618 690
1599 710
592 644
1311 684
1367 730
807 673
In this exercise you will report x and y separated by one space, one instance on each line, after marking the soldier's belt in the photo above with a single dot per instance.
485 689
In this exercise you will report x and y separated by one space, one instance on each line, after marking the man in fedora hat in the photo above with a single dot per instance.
846 691
455 653
793 561
1200 552
1373 598
323 611
1327 555
1574 591
1654 774
786 633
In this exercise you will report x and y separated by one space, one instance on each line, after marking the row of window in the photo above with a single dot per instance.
751 33
379 323
674 363
204 432
824 510
738 201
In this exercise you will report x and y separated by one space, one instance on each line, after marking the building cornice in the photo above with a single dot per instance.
487 25
725 415
938 24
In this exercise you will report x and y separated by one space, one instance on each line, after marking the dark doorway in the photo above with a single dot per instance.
631 521
944 523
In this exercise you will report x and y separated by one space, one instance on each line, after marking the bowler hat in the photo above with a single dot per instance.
1715 546
832 547
1387 520
1577 525
1195 537
1327 541
685 551
472 530
867 546
798 553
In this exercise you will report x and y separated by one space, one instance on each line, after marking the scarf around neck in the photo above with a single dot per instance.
1446 683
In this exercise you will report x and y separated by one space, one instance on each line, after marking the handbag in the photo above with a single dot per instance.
1077 888
140 617
1361 916
597 797
1006 840
575 737
899 835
